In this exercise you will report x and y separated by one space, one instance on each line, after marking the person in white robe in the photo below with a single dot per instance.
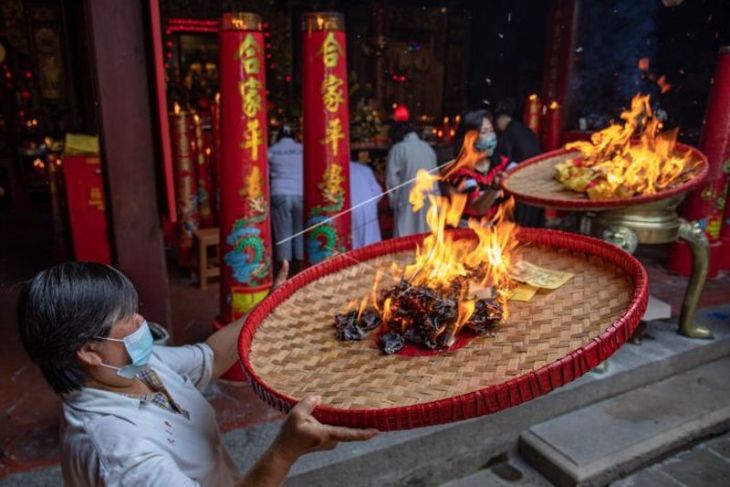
404 160
365 193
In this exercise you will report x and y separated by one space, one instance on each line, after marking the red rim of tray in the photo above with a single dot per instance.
476 403
586 204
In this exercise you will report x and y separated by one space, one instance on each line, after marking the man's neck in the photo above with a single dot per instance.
132 386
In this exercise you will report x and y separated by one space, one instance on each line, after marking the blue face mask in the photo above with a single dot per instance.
139 348
486 143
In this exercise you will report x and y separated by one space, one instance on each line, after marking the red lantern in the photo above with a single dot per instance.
186 188
246 275
326 135
401 114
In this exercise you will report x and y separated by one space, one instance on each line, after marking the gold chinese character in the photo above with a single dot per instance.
330 50
333 135
248 54
332 92
252 138
251 96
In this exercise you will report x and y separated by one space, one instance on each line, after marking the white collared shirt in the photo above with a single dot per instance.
286 167
112 439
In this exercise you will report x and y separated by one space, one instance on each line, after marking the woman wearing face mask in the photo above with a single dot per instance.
479 184
134 413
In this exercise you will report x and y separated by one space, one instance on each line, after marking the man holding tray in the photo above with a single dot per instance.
134 413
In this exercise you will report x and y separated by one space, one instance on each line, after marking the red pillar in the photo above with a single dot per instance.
706 204
561 35
326 135
246 275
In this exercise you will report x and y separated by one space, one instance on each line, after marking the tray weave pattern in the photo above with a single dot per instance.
289 348
533 181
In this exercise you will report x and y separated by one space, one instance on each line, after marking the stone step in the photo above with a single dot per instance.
609 439
507 470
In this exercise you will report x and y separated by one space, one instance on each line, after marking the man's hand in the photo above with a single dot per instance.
282 275
302 433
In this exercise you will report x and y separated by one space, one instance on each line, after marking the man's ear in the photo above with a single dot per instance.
88 355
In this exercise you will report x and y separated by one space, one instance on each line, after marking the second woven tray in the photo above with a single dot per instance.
533 181
289 349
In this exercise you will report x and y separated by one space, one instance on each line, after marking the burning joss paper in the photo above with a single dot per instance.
451 285
627 160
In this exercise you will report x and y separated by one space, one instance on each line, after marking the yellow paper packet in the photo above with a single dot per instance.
523 292
537 276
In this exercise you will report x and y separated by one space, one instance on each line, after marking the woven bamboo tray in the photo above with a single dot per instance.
533 181
289 349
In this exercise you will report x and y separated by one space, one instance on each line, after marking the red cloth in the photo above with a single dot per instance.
483 181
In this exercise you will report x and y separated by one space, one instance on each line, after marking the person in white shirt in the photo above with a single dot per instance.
133 413
404 160
365 193
287 197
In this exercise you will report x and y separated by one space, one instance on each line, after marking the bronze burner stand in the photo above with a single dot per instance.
658 223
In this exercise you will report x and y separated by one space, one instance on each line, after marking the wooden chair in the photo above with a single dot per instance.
203 239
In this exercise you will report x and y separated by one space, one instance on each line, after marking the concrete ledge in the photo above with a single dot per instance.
606 440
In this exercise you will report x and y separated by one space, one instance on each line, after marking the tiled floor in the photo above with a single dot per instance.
29 410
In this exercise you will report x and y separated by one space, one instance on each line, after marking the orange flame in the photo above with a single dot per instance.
441 259
614 164
468 155
644 64
386 310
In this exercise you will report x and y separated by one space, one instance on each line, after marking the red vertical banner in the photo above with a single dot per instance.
188 219
244 222
202 174
326 135
86 213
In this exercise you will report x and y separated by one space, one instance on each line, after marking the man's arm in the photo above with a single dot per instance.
224 342
300 434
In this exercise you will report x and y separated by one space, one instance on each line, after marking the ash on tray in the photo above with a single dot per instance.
420 315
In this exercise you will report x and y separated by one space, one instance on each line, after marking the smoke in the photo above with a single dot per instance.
613 36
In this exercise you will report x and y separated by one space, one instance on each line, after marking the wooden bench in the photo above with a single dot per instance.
204 239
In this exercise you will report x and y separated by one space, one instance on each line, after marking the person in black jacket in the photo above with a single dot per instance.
518 143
